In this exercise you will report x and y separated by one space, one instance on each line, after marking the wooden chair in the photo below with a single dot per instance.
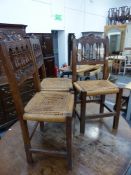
45 106
93 50
48 84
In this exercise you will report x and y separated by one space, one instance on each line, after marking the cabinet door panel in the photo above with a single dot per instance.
47 45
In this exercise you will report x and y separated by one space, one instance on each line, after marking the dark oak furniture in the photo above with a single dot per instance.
16 32
93 50
48 83
11 32
19 65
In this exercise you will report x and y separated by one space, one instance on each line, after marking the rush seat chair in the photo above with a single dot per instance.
48 83
44 106
93 50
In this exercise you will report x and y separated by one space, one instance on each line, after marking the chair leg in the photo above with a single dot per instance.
102 103
69 141
76 96
83 112
41 126
118 108
74 121
26 139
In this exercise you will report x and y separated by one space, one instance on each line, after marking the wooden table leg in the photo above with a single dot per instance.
128 115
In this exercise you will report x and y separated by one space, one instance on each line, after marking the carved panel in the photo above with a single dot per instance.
91 49
20 56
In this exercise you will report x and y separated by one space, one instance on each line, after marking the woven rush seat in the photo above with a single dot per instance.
96 87
49 107
56 84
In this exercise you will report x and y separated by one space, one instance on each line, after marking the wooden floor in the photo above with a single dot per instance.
101 151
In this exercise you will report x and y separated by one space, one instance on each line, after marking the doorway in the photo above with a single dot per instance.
114 43
55 46
59 47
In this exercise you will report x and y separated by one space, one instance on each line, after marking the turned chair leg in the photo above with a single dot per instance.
69 141
117 108
26 139
83 112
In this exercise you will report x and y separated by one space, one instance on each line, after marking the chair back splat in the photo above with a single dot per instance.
90 50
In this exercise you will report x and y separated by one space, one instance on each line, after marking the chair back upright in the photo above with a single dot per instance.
90 50
18 62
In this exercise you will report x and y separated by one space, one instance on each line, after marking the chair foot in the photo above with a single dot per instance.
28 154
26 139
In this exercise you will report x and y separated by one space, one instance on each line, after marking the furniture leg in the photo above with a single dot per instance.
83 112
118 108
102 103
26 139
41 126
128 115
69 141
76 97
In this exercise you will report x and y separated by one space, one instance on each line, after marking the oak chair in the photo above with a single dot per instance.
93 50
55 84
44 106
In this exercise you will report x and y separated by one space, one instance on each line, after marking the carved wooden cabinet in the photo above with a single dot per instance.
11 32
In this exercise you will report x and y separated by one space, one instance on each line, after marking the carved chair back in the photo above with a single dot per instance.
37 51
19 65
90 50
